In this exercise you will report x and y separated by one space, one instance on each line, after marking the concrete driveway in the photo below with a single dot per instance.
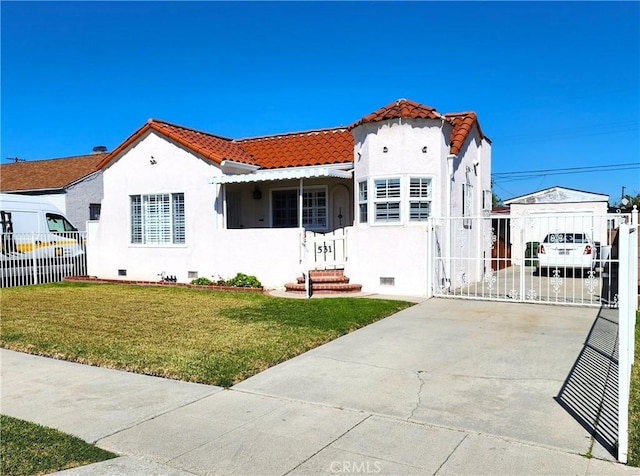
444 387
491 367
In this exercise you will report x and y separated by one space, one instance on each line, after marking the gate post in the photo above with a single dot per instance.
628 303
431 262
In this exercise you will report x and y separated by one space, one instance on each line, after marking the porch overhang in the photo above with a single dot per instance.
342 171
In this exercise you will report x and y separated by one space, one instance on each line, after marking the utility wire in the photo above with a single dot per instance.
567 170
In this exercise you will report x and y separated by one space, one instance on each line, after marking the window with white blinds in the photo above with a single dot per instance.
157 219
363 201
419 198
387 200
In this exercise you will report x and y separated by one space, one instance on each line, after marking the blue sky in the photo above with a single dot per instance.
555 85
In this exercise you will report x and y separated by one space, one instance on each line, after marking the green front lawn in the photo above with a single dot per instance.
212 337
29 449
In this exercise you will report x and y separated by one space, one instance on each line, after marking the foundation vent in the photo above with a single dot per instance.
387 281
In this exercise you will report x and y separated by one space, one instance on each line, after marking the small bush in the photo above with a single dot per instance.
201 281
241 280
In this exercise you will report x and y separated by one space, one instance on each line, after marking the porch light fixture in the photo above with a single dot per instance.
257 193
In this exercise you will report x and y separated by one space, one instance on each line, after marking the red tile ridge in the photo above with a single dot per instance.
296 133
168 129
462 123
400 108
197 131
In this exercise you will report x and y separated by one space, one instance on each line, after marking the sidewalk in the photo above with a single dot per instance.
371 402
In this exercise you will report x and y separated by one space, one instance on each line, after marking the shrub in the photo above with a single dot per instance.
201 281
241 280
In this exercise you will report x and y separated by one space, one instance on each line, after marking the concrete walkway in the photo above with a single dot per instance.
445 387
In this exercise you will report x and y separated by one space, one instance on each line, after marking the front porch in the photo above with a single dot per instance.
317 198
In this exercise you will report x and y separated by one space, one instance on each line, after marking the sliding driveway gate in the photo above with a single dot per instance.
561 258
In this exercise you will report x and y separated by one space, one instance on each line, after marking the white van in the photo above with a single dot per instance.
37 240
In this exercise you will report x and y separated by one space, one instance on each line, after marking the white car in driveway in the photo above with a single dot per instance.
568 250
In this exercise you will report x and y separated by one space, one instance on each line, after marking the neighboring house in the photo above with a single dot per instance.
557 209
192 204
72 184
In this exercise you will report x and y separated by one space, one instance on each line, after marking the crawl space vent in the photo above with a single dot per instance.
387 281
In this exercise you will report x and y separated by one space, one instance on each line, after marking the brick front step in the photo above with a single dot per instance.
315 273
324 288
324 279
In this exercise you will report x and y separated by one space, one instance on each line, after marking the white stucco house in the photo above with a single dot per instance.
557 209
359 198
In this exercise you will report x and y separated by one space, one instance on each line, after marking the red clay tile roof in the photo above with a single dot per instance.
402 108
210 146
463 123
323 146
326 146
47 174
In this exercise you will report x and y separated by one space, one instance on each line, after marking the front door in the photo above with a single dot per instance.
341 214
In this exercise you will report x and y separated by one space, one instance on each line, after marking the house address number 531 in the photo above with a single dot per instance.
324 249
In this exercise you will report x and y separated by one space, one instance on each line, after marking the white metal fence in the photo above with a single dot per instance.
561 258
628 304
33 258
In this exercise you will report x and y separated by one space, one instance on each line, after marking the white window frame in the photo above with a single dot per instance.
389 197
311 189
363 201
313 221
421 196
157 219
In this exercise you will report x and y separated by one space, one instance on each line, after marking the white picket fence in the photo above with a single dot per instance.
34 258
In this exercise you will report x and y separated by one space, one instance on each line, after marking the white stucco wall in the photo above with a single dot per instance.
175 171
389 252
404 140
272 255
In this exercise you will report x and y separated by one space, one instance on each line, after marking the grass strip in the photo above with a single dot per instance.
633 458
211 337
31 449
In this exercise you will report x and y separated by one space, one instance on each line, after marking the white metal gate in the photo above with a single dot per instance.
561 258
325 250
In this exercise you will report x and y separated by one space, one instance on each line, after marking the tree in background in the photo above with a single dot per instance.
495 200
626 203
